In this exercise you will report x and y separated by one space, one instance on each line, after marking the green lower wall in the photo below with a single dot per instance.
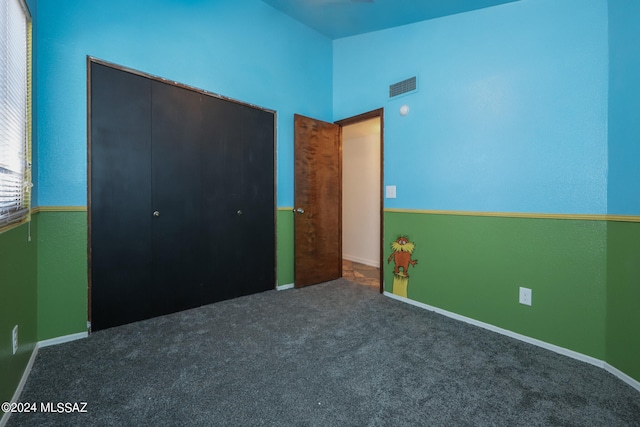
62 274
623 297
18 304
285 246
585 277
474 266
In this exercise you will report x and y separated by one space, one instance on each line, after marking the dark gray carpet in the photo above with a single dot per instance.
336 354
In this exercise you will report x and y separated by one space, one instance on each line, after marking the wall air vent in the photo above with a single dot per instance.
404 86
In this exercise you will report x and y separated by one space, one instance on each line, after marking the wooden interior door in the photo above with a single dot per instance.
318 201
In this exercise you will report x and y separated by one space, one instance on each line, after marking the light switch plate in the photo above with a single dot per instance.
391 191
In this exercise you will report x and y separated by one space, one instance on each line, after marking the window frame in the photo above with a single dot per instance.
19 212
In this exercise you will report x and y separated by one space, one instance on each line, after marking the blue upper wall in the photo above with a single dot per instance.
624 107
515 109
243 49
510 113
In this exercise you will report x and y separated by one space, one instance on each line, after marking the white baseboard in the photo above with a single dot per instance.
16 395
61 340
624 377
285 287
364 261
557 349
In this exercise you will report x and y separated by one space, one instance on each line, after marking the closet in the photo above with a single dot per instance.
181 197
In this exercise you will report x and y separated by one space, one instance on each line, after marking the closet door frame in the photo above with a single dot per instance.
93 60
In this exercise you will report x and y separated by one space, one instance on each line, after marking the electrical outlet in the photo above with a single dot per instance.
14 339
525 296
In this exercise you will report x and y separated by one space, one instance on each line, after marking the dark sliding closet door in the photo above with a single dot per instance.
181 198
176 183
237 169
120 196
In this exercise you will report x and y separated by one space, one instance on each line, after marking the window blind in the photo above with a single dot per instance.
15 114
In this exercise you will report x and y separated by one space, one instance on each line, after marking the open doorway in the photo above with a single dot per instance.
362 199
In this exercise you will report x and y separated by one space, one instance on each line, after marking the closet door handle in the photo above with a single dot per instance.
239 212
156 213
299 211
